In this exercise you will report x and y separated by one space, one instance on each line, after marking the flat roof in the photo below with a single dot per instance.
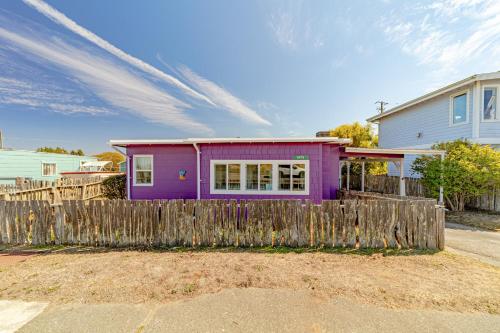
190 141
390 151
435 93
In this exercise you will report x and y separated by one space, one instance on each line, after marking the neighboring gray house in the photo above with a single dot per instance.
467 109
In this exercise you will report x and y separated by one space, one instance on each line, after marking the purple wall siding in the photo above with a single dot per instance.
268 151
167 161
330 171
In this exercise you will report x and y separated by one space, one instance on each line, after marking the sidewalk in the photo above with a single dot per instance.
258 310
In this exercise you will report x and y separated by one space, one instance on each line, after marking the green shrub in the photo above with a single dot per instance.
115 187
468 170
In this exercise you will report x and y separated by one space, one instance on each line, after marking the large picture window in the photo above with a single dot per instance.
259 177
143 170
48 169
459 108
490 104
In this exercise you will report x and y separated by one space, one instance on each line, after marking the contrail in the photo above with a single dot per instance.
63 20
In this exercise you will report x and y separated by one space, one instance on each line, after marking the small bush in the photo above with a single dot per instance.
115 187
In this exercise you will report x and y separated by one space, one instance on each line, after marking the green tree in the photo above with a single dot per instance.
364 137
59 150
468 170
112 156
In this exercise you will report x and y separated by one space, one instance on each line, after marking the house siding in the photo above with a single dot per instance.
28 164
168 160
432 119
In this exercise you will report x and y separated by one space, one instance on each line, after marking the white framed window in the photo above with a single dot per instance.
459 108
273 177
143 170
490 104
49 169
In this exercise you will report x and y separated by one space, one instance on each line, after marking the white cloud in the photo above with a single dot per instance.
222 98
53 98
449 36
293 26
108 80
63 20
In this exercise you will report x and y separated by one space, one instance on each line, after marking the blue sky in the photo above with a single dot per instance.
78 73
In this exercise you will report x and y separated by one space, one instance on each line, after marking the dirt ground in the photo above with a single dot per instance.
484 220
432 281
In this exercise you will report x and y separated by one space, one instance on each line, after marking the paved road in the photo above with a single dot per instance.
253 310
474 243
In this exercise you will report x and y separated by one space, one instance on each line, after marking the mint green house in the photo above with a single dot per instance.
36 165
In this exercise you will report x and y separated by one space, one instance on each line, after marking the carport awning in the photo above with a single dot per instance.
353 153
397 156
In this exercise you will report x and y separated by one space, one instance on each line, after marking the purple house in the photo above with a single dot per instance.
233 168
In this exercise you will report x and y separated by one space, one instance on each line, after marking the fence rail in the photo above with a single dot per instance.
295 223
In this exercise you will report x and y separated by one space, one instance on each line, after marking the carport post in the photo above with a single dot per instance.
441 194
362 176
348 174
341 165
402 188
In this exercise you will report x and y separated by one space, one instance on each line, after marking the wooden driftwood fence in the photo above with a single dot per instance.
295 223
54 192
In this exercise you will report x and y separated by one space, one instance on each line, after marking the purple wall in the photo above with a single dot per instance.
323 168
167 161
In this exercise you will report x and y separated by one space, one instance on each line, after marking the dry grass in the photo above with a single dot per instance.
431 281
479 219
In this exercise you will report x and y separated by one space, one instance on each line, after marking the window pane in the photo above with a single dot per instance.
299 177
490 103
143 177
460 109
234 176
252 177
220 176
143 163
284 177
266 177
48 169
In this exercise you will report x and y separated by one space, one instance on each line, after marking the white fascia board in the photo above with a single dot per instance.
190 141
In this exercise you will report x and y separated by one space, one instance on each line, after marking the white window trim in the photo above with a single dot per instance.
152 169
467 107
55 172
243 184
482 104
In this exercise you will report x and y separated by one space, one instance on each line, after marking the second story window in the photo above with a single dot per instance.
459 108
490 112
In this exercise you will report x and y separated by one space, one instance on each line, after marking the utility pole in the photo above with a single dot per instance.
381 106
1 140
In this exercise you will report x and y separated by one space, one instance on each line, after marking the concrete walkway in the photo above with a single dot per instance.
472 242
254 310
